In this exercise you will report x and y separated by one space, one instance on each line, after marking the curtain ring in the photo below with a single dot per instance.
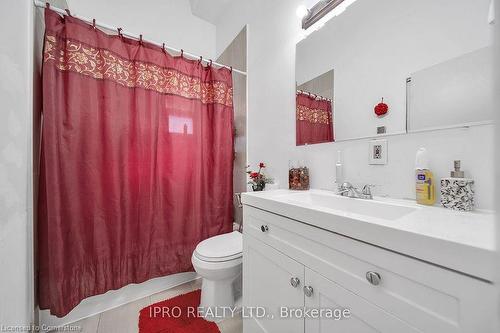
140 39
68 12
163 48
210 64
47 5
201 59
93 23
182 53
231 68
119 32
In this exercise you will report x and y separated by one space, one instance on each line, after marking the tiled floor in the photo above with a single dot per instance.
124 319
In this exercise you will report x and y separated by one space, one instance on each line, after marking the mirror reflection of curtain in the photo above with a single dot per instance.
314 120
136 162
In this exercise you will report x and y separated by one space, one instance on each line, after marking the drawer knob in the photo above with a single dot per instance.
295 282
308 290
374 278
264 228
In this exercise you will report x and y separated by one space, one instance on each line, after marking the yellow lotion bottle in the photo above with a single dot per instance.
424 179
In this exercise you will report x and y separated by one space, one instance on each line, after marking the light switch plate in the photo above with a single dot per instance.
378 152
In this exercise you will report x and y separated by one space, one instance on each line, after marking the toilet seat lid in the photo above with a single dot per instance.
220 248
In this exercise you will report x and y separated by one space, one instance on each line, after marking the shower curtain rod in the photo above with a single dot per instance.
314 95
42 4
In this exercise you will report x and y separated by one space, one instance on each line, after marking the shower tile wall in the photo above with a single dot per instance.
235 55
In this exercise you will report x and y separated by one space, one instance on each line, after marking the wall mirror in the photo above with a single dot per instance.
457 92
400 66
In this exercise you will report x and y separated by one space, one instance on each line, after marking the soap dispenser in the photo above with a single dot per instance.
424 179
457 192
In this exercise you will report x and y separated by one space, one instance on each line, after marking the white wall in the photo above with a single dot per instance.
272 31
16 307
497 137
497 151
372 55
169 21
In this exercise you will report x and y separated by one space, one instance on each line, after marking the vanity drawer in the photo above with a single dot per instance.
428 297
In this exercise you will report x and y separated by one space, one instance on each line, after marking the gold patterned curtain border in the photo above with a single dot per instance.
315 116
104 65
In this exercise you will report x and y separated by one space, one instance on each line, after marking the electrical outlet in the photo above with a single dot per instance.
378 152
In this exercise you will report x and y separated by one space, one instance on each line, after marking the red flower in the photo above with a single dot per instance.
262 165
254 175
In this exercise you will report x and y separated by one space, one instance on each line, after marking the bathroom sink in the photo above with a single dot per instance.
372 208
433 234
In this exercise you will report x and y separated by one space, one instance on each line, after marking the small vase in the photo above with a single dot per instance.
258 187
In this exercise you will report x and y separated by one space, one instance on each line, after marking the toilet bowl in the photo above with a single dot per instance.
218 261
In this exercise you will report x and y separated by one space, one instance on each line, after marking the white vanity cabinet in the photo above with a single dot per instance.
268 285
287 263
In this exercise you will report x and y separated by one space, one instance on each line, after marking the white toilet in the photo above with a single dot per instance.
218 261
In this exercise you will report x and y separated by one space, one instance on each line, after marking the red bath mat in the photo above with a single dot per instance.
175 315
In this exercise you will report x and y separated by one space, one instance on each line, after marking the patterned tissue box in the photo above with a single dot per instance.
457 193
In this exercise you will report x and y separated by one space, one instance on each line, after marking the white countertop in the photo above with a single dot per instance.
461 241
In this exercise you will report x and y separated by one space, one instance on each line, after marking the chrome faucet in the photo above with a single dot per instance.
348 190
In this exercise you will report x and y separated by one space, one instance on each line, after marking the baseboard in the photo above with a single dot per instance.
115 298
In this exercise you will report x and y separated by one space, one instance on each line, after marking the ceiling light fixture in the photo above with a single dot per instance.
491 13
302 11
324 11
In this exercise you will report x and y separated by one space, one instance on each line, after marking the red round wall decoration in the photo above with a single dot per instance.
381 108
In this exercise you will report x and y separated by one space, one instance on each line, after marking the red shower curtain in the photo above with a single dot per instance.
314 121
136 162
